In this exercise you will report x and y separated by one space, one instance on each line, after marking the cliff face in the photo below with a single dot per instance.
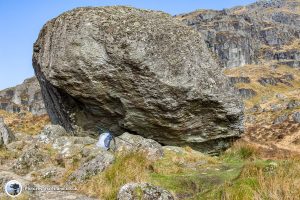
259 48
249 34
24 97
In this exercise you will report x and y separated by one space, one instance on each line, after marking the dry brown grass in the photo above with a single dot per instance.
25 122
266 95
274 178
243 150
6 155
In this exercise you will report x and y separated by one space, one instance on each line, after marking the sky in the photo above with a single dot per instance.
21 21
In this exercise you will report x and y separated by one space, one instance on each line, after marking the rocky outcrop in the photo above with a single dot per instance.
239 36
292 104
275 80
246 93
93 167
280 119
235 80
142 71
50 133
135 143
143 191
24 97
31 159
6 136
290 63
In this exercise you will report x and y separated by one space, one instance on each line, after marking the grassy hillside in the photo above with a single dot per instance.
24 122
271 102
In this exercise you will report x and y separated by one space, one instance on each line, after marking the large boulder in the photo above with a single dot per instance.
141 71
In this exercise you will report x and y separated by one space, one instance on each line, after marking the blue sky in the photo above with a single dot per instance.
21 21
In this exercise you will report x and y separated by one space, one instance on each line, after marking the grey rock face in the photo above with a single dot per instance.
132 143
6 136
24 97
93 167
238 35
228 36
133 70
143 191
287 55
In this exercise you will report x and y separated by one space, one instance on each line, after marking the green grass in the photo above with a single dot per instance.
239 173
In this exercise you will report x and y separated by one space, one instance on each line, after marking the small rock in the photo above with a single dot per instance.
93 167
296 117
293 104
235 80
129 142
280 119
280 96
143 191
276 107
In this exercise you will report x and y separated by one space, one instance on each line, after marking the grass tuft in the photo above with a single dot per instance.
132 167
